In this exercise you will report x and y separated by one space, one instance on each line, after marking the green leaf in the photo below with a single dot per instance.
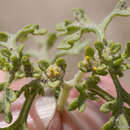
40 32
109 125
99 46
4 36
61 63
69 41
50 40
127 50
108 106
118 62
75 50
43 65
82 66
82 107
54 84
89 51
101 70
5 52
122 123
80 16
28 67
115 47
8 97
32 29
73 105
2 86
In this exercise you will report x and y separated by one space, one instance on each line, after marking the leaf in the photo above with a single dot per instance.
73 105
115 47
4 36
80 16
75 50
127 50
61 63
62 26
40 32
108 106
54 84
5 52
109 125
69 41
82 67
99 46
82 107
8 97
122 123
32 29
50 40
89 51
43 65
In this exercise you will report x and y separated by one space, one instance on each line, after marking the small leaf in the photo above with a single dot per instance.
43 65
82 107
89 51
118 61
8 97
73 105
122 123
40 32
82 66
54 84
3 36
115 47
61 63
99 46
108 106
80 16
50 40
109 125
69 41
127 50
5 52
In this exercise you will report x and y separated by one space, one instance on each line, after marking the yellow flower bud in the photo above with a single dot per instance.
87 58
94 68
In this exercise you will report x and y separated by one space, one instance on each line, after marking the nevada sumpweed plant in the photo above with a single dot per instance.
102 59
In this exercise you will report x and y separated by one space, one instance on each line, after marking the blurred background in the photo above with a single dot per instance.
14 14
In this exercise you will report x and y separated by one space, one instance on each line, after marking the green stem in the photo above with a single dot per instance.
63 97
22 119
106 96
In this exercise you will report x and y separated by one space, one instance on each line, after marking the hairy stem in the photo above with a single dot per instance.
63 96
